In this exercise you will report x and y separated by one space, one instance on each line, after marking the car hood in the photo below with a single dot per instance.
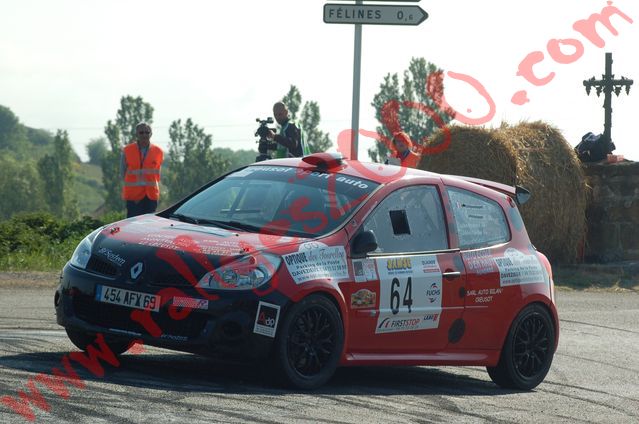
170 250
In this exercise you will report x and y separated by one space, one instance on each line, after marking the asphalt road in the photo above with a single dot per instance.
594 378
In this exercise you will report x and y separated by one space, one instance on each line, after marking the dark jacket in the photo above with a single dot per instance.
290 137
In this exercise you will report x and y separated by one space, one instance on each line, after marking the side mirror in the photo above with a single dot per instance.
521 195
364 242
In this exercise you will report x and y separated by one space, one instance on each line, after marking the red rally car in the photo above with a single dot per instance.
313 263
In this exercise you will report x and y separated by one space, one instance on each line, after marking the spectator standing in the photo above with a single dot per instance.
402 145
140 168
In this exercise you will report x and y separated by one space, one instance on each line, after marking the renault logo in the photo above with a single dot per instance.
136 270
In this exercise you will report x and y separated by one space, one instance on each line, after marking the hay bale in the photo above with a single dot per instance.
534 155
473 152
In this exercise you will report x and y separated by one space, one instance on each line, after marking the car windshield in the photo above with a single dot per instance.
278 200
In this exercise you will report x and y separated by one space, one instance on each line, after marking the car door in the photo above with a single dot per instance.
405 296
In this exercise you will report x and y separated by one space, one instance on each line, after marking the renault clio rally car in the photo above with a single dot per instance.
313 263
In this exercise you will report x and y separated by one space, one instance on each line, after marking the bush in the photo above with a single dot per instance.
41 242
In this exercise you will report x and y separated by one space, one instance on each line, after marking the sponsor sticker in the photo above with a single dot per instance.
410 295
516 268
483 296
434 293
363 299
321 263
190 302
398 266
112 256
364 270
479 262
266 319
174 337
276 169
394 324
313 174
429 265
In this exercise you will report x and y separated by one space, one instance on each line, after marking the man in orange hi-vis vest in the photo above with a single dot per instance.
140 167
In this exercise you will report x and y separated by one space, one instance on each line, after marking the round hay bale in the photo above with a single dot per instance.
473 152
536 156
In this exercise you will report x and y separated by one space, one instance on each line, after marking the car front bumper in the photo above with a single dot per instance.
224 328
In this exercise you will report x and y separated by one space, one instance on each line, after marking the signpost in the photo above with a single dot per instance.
360 14
373 14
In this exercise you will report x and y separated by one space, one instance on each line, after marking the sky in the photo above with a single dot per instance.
65 64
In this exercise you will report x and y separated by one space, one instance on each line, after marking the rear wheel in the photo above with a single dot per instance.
82 340
309 343
528 351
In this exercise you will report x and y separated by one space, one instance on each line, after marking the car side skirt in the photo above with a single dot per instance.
479 357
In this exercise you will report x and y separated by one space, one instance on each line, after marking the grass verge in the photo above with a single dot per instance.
596 277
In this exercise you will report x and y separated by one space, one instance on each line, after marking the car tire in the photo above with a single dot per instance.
82 340
528 351
309 343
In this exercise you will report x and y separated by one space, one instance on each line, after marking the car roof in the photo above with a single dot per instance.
377 172
380 173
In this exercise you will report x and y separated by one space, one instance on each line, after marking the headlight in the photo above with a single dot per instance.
246 273
82 253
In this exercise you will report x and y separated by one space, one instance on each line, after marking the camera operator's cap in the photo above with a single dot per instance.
403 137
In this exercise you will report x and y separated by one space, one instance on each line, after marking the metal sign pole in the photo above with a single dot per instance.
357 65
358 14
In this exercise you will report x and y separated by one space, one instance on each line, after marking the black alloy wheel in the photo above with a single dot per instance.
528 351
310 342
531 346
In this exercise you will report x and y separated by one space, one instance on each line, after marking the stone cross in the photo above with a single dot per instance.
608 84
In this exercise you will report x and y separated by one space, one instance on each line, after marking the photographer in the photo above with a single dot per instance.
289 140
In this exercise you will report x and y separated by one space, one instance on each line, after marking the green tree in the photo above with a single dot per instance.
293 101
315 139
120 132
97 149
12 133
191 161
20 141
40 138
20 187
56 172
235 158
394 115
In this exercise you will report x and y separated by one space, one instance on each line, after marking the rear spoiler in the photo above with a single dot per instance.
519 193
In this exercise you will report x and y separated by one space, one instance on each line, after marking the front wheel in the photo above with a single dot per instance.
82 340
309 343
528 351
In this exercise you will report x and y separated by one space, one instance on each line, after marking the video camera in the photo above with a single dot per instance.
264 144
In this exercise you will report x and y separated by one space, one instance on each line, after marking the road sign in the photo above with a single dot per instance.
335 13
368 14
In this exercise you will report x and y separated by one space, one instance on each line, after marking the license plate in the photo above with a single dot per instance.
127 298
